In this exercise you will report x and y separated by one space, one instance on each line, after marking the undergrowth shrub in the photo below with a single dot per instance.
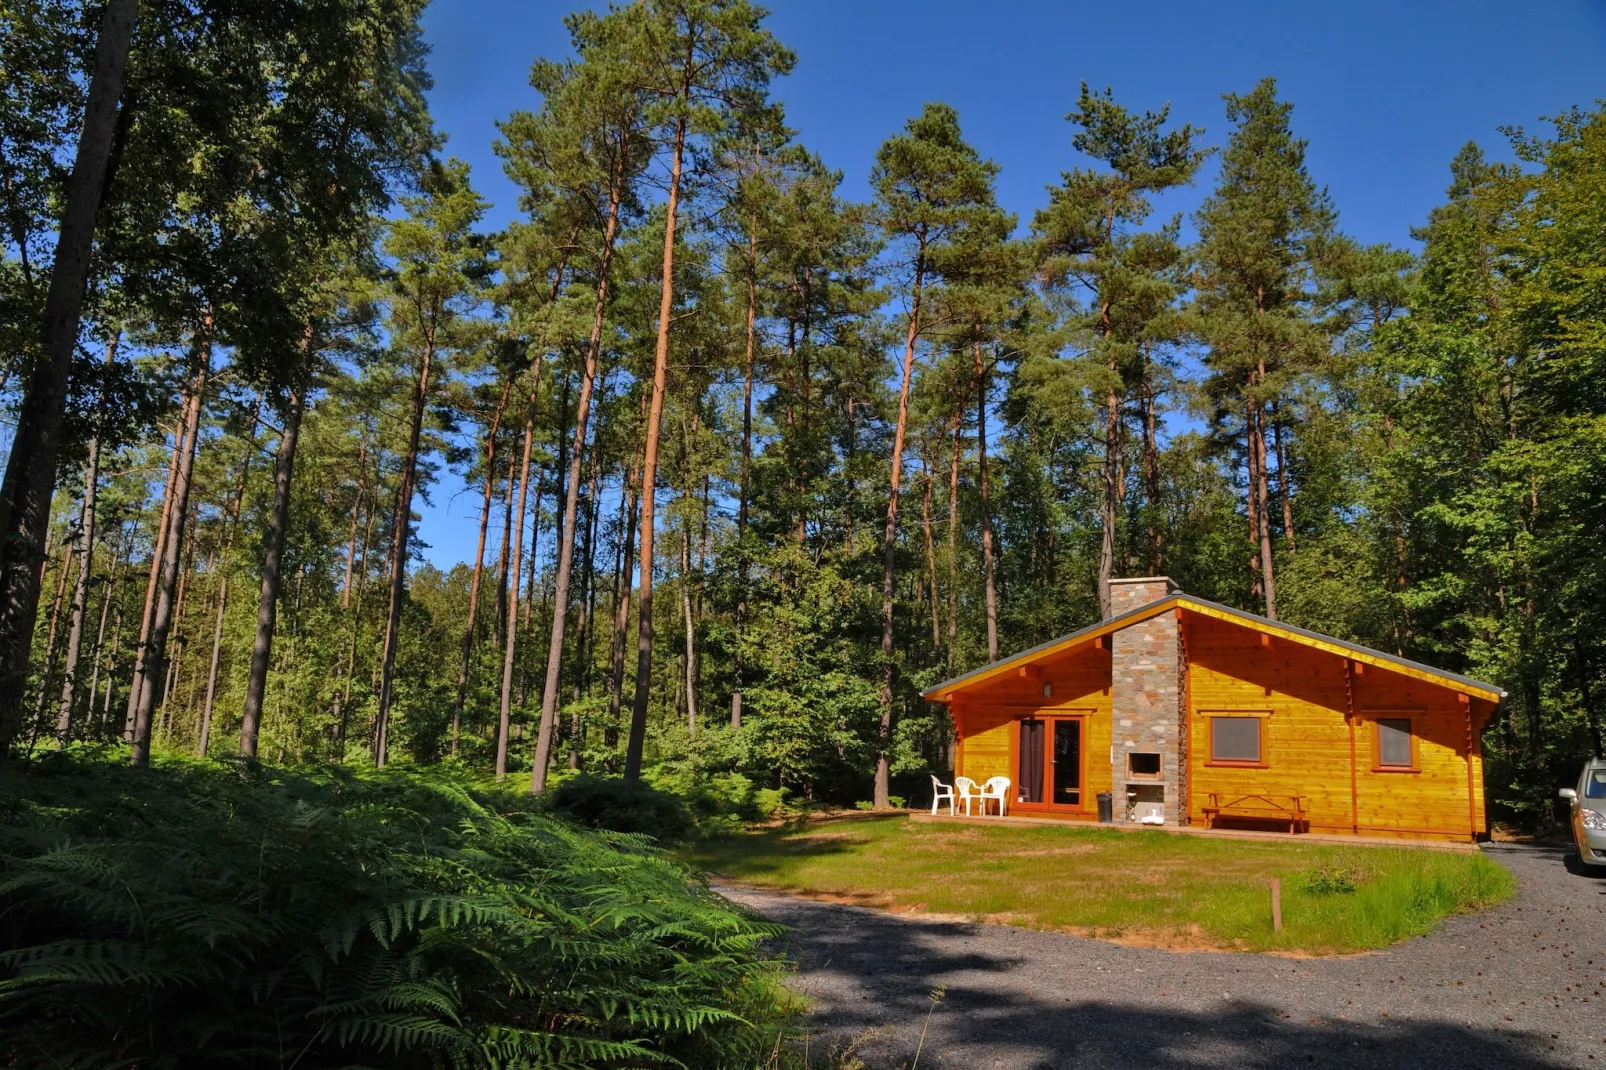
599 802
202 914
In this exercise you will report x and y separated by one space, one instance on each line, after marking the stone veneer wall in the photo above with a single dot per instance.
1146 693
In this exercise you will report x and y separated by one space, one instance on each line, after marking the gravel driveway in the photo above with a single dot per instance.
1522 986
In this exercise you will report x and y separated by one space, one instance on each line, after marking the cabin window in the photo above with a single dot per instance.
1394 742
1235 739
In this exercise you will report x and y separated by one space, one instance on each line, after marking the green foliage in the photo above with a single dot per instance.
609 803
224 914
1331 878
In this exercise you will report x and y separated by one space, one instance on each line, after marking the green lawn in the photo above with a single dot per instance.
1135 887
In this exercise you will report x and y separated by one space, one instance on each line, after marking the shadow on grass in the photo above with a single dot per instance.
1027 1004
766 853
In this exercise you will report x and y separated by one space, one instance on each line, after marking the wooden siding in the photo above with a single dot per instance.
1080 683
1304 697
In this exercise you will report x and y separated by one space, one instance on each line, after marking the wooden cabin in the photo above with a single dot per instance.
1194 713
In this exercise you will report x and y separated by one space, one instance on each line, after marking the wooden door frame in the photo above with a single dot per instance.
1084 715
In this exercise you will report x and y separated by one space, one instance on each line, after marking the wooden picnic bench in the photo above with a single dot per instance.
1287 808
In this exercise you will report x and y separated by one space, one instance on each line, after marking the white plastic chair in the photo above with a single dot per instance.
996 788
939 792
968 789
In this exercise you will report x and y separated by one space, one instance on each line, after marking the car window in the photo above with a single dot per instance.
1595 784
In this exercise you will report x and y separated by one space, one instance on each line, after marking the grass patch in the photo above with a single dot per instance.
1137 887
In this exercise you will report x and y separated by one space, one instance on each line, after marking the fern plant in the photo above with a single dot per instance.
223 913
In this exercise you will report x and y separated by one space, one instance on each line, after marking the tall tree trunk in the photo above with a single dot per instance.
953 536
399 544
148 606
628 493
36 721
690 659
1256 572
931 555
86 553
479 562
30 476
1268 578
510 642
155 654
584 648
225 560
113 588
357 501
739 655
273 560
503 567
988 576
1151 472
889 542
1283 491
571 485
353 629
649 470
1110 507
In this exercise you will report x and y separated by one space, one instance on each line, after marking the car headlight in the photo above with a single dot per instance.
1595 820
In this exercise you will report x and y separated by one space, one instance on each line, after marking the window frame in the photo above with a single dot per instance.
1258 716
1409 717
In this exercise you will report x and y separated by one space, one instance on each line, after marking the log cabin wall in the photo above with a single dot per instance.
1079 683
1303 699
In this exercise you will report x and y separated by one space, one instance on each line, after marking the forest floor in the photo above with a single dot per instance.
1519 987
1149 889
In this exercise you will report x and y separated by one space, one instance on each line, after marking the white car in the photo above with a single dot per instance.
1589 813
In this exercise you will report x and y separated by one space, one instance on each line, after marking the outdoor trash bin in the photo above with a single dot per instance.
1106 808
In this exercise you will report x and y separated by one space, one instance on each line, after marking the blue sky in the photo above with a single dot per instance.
1385 92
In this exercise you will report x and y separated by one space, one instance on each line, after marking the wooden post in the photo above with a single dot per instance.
1277 904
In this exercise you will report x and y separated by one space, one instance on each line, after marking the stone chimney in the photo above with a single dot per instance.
1138 591
1149 755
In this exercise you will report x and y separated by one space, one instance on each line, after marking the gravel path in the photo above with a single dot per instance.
1523 986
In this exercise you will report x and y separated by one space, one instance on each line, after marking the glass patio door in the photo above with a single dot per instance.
1048 763
1067 762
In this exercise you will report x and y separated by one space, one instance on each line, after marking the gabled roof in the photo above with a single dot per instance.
944 691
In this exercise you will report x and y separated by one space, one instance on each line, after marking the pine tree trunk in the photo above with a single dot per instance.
155 655
1111 505
225 560
1268 578
931 555
1282 479
339 713
1151 481
739 657
510 643
503 567
988 575
571 487
953 538
113 588
272 562
1256 574
691 629
36 720
399 543
649 470
148 606
889 544
86 553
30 476
479 562
621 605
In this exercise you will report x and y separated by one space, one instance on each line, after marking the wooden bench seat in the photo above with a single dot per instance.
1279 808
